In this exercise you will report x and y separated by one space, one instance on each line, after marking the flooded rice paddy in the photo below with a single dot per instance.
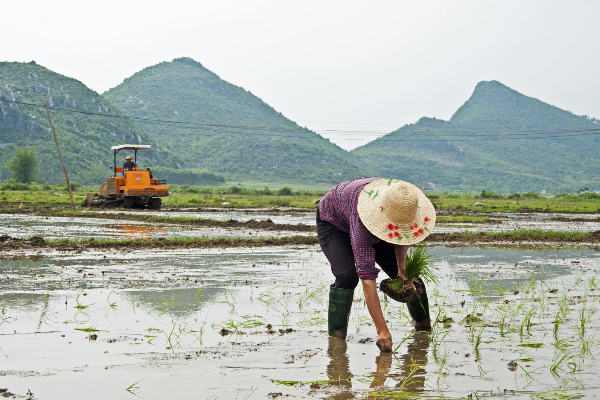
48 227
57 227
251 323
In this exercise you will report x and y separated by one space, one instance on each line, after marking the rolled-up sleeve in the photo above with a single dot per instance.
364 254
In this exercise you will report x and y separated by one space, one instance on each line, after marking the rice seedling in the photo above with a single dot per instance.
88 329
558 320
199 293
561 358
502 324
477 336
403 340
112 305
436 338
410 379
315 321
585 314
133 299
419 264
4 317
133 387
44 310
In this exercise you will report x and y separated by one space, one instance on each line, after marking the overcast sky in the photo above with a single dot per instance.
346 65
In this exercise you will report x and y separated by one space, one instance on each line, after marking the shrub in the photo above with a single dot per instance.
485 194
284 191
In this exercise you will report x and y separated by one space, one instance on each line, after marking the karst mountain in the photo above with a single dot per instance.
222 128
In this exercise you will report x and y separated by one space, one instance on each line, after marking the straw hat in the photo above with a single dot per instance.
128 157
396 211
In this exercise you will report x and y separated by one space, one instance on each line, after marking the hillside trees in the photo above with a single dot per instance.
24 165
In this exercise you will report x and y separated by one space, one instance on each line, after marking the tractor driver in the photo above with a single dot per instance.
129 165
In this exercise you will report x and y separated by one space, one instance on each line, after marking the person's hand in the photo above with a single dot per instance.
384 341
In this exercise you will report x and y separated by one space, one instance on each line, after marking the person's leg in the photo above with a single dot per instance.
336 247
385 257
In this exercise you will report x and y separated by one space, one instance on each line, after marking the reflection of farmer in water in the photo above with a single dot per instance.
411 376
363 222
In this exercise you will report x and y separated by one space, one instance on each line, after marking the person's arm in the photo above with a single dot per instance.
401 251
384 337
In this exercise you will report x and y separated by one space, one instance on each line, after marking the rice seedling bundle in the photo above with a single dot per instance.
419 268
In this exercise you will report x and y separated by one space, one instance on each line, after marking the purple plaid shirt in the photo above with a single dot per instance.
339 208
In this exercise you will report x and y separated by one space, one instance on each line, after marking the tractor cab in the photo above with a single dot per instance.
135 187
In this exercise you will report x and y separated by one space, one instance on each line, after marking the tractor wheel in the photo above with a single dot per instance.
128 202
155 203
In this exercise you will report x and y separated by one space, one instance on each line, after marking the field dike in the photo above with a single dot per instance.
522 238
267 225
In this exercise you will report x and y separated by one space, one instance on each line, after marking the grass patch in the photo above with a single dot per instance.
183 242
523 235
460 219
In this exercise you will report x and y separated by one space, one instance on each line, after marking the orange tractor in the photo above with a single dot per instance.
131 188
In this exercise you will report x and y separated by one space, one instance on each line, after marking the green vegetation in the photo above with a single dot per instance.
242 196
535 162
460 219
582 203
519 235
187 177
184 91
419 264
196 242
85 140
24 165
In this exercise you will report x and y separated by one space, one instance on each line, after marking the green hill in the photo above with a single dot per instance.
85 140
423 152
184 91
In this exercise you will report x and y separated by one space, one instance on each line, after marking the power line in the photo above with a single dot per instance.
199 125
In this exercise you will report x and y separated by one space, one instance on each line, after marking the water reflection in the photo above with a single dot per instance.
412 363
383 363
408 372
136 231
338 368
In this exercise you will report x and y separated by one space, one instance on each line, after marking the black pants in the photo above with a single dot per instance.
338 250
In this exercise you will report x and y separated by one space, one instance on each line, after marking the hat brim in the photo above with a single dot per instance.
371 215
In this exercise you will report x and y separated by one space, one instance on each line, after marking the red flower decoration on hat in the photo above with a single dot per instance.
391 235
391 227
421 231
396 234
416 233
426 219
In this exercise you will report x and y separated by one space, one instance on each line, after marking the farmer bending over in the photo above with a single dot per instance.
129 165
366 221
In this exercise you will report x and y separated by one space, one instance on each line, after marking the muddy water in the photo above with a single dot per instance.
498 221
67 227
21 225
260 214
251 323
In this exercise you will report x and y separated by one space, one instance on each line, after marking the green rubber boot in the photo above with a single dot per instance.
340 304
419 311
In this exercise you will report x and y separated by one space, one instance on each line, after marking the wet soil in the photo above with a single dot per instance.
254 326
8 243
456 239
267 225
507 238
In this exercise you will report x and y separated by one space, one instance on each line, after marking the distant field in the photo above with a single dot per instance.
305 196
569 203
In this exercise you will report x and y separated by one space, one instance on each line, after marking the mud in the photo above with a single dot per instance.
37 242
253 326
155 219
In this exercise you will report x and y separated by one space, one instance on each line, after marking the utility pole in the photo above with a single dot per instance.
59 155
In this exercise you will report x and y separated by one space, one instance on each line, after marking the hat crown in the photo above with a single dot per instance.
400 202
